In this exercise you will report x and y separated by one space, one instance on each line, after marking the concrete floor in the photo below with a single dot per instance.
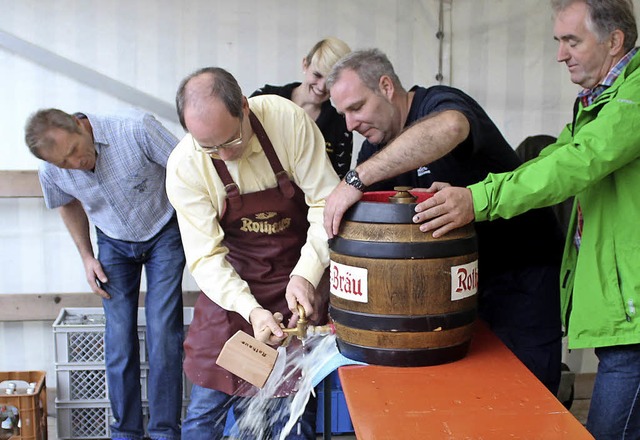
579 408
582 396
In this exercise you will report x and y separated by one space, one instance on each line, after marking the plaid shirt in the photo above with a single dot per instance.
587 97
125 194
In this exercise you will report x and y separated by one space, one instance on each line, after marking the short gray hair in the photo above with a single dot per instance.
39 124
605 16
369 64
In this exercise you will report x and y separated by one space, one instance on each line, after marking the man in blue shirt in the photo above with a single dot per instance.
110 170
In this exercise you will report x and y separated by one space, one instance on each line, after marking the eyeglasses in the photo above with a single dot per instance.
214 150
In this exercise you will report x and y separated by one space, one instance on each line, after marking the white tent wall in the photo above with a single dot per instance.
101 56
504 55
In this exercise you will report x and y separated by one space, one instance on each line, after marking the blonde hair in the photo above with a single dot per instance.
325 53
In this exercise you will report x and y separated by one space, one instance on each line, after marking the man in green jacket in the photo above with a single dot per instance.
597 159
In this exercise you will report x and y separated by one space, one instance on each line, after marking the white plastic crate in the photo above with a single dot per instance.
83 420
79 335
91 421
87 421
82 404
92 318
90 384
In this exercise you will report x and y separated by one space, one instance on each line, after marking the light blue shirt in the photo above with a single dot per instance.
125 194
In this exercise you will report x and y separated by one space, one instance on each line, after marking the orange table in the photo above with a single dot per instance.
488 395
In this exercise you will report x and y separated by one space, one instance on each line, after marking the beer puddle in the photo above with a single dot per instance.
260 413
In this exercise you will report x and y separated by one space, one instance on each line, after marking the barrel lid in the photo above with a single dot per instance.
375 207
383 196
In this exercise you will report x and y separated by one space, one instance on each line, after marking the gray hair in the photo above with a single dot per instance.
605 16
36 131
369 64
223 86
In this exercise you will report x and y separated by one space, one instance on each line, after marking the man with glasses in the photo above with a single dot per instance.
110 169
248 182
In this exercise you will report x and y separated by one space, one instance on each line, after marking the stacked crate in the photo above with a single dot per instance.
82 403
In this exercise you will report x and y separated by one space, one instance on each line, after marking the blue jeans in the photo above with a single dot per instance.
207 415
615 403
163 259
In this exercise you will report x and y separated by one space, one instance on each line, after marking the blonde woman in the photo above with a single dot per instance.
312 95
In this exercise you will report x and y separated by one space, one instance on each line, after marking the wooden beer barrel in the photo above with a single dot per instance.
399 297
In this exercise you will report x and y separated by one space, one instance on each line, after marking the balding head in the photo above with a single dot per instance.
197 90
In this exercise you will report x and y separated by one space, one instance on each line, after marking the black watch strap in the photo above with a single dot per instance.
352 178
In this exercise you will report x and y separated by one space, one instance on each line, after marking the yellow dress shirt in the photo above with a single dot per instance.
198 195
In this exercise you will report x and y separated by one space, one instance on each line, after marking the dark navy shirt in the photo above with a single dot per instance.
530 238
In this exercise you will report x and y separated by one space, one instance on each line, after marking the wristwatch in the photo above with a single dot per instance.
352 178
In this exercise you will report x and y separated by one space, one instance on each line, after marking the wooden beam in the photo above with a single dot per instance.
19 183
47 306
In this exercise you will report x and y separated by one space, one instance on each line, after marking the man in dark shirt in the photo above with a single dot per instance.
440 134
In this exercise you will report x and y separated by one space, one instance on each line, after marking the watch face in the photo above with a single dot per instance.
352 178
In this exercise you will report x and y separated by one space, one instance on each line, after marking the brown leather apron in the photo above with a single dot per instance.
264 232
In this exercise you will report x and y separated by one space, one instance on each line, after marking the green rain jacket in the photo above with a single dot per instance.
596 158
